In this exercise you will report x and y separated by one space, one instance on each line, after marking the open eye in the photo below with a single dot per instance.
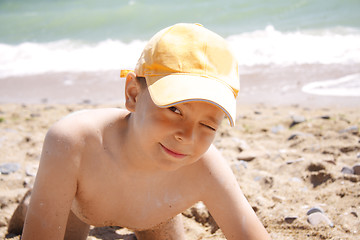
175 110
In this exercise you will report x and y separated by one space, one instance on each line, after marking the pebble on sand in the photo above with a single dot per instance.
317 217
31 170
350 129
297 120
246 156
356 169
347 170
277 128
290 219
314 210
7 168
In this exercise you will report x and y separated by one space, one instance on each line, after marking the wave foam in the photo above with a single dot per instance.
348 86
67 56
269 46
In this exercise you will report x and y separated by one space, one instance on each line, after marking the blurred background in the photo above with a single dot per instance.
311 40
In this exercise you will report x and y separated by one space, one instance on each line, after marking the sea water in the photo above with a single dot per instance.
40 36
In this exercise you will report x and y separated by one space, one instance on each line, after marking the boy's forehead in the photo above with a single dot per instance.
210 109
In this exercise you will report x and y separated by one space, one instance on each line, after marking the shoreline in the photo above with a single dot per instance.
269 85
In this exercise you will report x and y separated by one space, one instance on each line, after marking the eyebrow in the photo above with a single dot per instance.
218 122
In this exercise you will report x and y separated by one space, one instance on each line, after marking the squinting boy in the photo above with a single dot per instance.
139 168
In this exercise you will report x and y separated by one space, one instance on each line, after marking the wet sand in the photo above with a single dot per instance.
271 85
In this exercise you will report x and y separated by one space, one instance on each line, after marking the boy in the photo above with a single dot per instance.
138 168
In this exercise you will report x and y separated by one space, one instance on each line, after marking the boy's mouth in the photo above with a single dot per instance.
172 153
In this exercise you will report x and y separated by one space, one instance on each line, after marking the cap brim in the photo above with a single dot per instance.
179 88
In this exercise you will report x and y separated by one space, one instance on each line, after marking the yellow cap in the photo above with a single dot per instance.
187 62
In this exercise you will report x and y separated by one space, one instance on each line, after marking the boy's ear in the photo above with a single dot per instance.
132 90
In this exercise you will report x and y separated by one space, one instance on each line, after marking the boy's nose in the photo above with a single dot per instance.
185 135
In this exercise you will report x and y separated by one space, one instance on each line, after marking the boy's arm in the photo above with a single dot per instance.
54 188
227 203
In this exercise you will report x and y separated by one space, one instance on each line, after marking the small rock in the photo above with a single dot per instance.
296 135
347 170
242 145
317 218
243 163
354 214
277 129
356 169
319 178
290 219
293 136
297 120
8 168
278 199
28 182
31 170
27 139
246 156
330 161
295 161
315 167
348 149
326 117
314 210
353 129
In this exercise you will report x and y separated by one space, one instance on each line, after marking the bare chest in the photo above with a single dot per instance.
107 196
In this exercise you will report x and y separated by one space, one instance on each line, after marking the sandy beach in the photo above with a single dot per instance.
296 156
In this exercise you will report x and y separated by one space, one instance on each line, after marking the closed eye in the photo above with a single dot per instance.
209 127
175 110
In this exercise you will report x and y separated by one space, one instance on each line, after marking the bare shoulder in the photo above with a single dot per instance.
85 122
71 134
90 118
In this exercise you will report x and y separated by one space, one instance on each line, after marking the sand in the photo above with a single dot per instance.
288 158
